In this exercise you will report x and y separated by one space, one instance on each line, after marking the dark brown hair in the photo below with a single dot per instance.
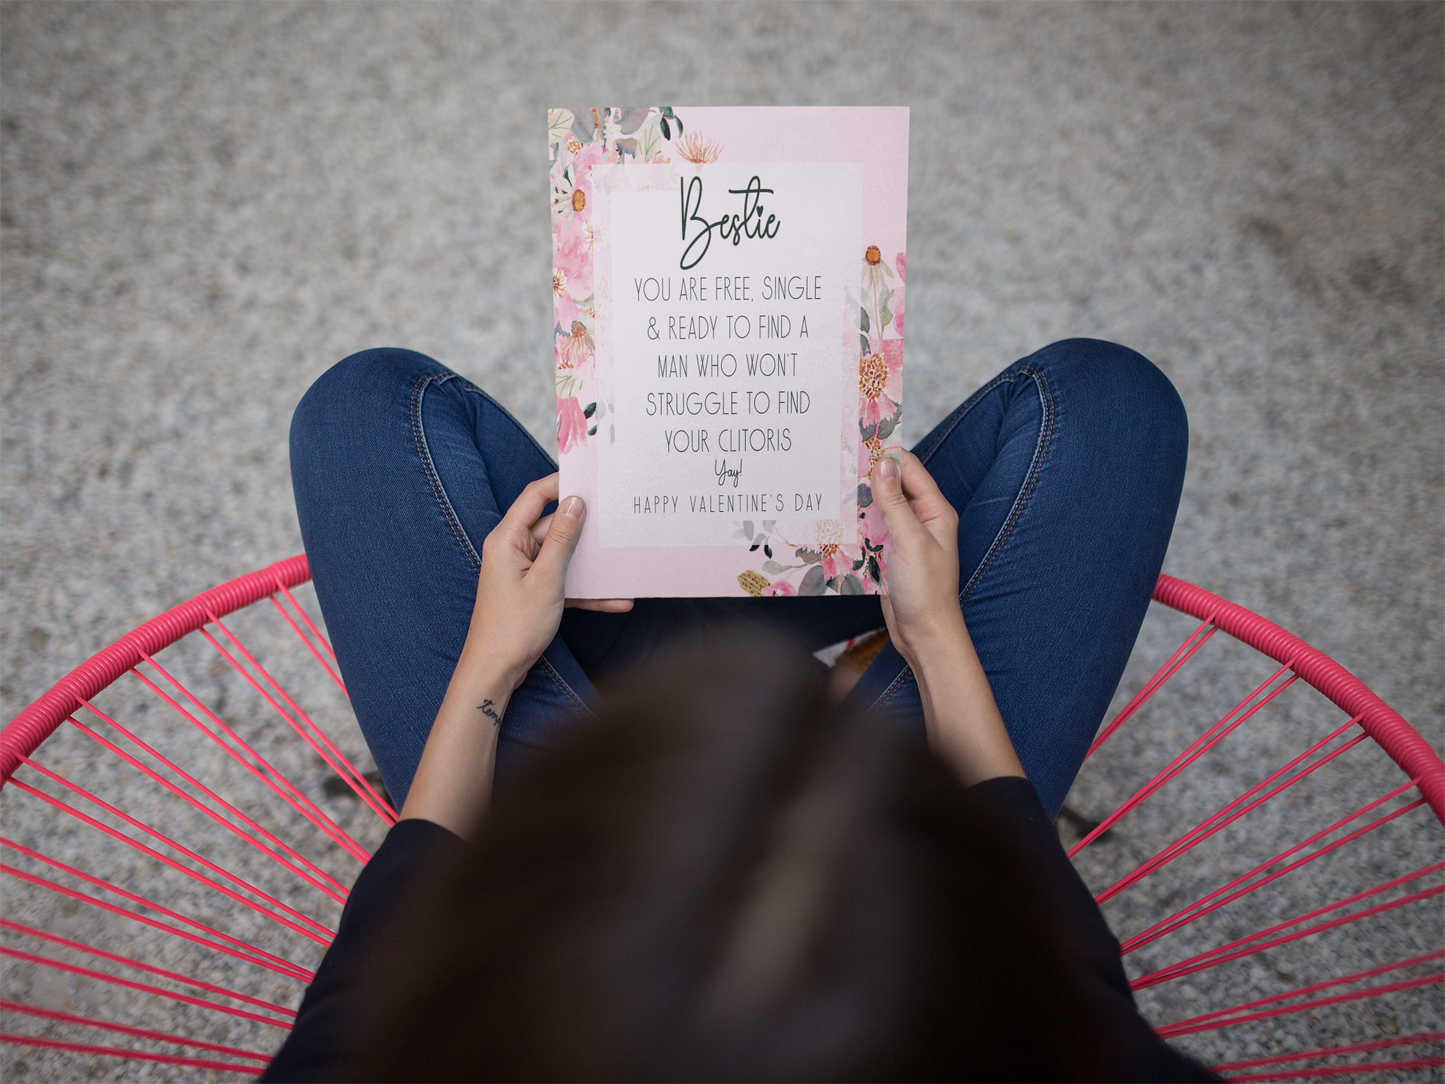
728 879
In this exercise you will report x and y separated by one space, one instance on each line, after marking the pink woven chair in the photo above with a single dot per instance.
194 954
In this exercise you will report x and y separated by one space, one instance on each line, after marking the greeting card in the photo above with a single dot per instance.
727 286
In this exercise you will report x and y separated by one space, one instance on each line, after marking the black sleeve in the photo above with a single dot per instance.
1051 890
322 1039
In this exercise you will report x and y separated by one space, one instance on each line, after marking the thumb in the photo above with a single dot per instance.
561 539
887 486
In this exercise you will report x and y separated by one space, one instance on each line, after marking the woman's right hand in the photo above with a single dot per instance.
921 606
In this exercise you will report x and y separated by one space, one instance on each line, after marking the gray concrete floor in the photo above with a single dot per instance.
204 206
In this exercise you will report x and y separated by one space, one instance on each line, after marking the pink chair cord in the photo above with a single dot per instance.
1175 663
295 920
257 765
1193 1022
312 874
1225 894
134 1055
302 724
1335 1051
142 987
1242 712
232 946
124 1029
126 961
329 667
1235 810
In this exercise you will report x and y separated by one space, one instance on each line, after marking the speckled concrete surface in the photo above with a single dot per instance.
204 206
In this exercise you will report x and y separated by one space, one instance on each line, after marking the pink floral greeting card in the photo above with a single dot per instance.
727 285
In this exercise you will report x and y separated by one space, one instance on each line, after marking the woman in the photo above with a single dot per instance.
1053 489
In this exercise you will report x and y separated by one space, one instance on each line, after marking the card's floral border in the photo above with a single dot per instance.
829 562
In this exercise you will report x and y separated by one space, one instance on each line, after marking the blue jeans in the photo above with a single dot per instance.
1065 469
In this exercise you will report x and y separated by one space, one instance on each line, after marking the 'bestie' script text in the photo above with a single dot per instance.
737 226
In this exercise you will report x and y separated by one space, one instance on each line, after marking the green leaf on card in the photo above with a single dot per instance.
812 582
649 141
559 121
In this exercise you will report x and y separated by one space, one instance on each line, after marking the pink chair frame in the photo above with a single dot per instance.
1422 768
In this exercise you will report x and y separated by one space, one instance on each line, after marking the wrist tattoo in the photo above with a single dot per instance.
487 709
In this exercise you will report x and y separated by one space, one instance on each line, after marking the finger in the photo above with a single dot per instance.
924 496
602 605
527 508
539 531
886 482
561 540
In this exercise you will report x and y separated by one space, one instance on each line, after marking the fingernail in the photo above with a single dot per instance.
887 469
572 508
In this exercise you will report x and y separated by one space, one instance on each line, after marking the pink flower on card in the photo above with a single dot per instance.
871 525
835 562
833 559
581 198
575 262
880 382
573 186
571 424
901 264
575 347
589 156
779 589
564 309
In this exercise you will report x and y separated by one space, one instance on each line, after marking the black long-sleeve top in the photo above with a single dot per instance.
325 1035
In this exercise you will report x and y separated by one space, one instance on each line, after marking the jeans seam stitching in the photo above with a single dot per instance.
561 683
438 492
1035 467
963 412
1021 501
469 386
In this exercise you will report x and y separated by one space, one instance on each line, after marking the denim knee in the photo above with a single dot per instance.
362 378
1113 380
341 400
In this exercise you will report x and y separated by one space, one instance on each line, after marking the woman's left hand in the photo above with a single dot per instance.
520 591
519 607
